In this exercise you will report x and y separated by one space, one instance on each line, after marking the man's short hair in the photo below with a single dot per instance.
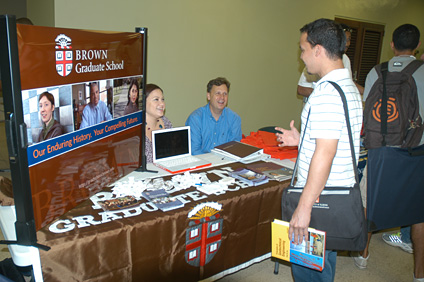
328 34
218 82
346 28
406 37
92 84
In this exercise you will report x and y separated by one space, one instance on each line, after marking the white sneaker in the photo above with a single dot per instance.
418 279
395 240
359 260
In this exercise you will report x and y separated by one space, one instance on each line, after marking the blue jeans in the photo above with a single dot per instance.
304 274
405 233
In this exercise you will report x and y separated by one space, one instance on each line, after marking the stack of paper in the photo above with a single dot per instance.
240 152
272 170
250 177
162 200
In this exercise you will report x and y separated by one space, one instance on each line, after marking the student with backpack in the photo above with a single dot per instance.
400 126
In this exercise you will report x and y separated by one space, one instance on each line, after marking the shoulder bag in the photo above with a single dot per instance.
338 210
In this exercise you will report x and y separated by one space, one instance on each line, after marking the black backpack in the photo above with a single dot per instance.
391 114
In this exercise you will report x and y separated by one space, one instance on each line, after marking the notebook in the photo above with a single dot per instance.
172 150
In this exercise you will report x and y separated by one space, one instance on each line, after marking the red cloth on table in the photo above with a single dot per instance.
268 142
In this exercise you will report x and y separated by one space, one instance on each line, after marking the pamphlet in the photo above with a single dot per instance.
272 170
250 177
162 200
310 253
119 203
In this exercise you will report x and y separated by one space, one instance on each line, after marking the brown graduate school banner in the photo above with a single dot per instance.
70 167
56 56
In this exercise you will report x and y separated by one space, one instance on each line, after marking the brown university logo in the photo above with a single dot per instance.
63 55
203 236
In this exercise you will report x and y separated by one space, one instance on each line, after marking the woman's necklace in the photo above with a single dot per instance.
156 126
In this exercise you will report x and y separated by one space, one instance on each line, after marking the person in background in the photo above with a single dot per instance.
405 40
306 83
132 105
155 119
51 127
214 124
96 111
325 158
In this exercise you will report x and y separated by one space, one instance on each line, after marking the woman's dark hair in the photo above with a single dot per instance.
133 82
48 95
150 88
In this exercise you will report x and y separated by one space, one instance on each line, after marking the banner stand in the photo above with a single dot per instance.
16 135
143 166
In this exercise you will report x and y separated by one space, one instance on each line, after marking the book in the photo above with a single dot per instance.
310 254
238 151
250 177
272 170
162 200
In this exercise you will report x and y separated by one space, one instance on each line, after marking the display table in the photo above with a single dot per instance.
144 244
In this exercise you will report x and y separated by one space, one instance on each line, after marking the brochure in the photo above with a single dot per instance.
119 203
272 170
250 177
162 200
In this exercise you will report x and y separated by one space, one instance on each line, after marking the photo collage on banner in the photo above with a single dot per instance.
64 105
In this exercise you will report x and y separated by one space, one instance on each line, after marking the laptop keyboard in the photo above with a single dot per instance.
180 161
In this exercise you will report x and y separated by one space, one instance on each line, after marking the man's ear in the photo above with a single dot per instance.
392 46
317 50
208 96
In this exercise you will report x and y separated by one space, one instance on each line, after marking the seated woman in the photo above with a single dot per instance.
132 105
155 119
51 127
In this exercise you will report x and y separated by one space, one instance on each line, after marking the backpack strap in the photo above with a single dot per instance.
413 66
383 110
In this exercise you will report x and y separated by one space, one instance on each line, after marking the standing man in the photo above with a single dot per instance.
405 40
214 124
306 83
325 158
96 111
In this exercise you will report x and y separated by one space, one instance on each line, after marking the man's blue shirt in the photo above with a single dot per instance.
207 133
94 115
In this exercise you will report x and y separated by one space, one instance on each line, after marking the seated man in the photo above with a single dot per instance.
96 111
214 124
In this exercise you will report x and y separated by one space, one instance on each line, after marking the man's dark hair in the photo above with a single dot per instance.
218 82
406 37
346 27
328 34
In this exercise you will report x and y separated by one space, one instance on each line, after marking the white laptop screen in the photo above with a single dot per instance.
171 142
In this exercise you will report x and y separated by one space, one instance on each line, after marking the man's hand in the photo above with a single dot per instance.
288 137
298 230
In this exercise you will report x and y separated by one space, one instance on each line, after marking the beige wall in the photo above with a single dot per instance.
17 8
41 12
253 43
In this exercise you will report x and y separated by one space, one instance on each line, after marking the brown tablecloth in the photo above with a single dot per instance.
151 246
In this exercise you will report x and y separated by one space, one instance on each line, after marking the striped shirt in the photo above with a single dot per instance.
327 121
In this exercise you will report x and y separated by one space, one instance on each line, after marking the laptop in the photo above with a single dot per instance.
172 150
